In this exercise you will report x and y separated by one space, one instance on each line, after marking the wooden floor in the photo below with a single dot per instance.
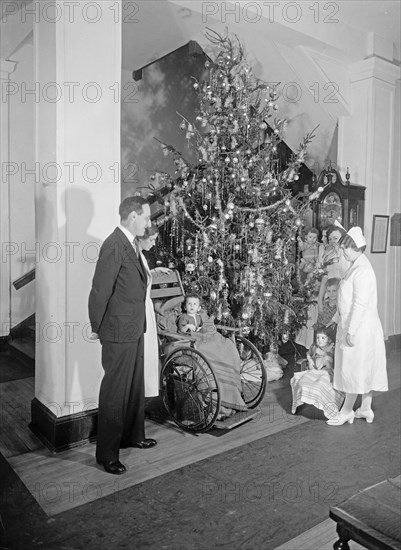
69 479
65 480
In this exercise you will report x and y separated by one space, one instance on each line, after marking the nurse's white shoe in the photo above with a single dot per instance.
367 415
341 419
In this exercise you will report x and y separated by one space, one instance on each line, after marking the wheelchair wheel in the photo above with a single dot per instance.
253 372
190 390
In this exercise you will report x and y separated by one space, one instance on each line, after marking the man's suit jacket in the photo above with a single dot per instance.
117 298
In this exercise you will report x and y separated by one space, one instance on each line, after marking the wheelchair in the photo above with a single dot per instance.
189 387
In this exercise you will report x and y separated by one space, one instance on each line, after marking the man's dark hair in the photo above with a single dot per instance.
131 204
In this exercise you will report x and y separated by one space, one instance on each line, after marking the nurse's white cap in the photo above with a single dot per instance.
357 236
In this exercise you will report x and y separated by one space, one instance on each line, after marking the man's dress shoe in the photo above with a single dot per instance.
145 444
112 466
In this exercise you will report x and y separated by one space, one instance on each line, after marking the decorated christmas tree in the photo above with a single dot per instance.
231 220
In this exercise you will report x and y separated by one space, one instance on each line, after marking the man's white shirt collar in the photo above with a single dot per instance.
127 233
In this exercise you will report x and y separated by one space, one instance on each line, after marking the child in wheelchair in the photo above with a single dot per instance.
195 319
221 352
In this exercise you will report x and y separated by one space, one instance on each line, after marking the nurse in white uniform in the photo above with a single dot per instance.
360 356
151 342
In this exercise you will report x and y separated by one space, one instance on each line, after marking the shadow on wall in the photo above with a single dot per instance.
149 110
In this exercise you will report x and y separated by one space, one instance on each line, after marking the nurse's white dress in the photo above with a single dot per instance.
360 368
151 343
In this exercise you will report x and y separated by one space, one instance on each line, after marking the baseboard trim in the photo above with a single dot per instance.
66 432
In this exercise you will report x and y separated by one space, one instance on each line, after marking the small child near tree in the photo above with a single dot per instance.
314 386
329 309
190 321
321 353
195 319
311 253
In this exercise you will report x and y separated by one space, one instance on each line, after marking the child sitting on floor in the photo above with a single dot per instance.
321 354
314 386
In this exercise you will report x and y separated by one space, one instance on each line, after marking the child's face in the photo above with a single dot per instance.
192 305
322 340
331 292
311 238
334 237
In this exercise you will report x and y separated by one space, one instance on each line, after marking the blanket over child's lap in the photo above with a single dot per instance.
315 388
225 362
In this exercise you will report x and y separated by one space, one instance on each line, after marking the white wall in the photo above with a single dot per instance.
22 185
393 320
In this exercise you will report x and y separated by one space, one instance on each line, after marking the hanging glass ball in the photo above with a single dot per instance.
263 126
298 222
207 64
196 85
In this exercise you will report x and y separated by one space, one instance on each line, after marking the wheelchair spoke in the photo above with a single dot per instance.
189 390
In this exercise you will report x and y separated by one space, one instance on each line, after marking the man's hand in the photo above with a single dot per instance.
94 336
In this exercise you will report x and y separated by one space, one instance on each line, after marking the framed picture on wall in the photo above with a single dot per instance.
379 234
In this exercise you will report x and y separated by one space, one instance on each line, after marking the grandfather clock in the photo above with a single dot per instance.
344 202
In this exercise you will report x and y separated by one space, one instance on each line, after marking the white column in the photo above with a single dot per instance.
367 146
6 68
78 63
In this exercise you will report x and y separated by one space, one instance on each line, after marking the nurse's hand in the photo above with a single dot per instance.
350 339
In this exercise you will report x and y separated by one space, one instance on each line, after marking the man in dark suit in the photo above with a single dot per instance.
117 316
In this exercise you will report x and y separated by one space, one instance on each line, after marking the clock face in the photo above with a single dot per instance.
331 209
